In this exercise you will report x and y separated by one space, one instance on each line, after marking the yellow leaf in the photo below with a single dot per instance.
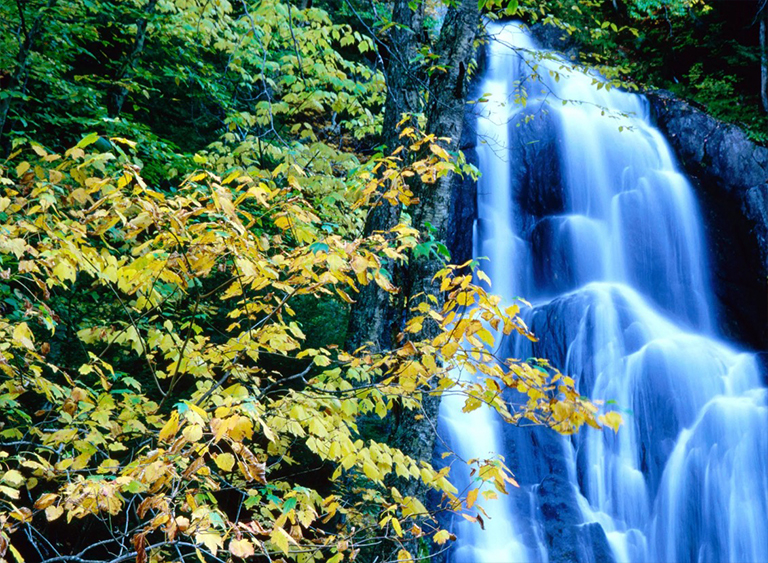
22 335
13 477
281 539
53 512
413 507
22 514
443 536
195 410
450 349
45 501
243 428
64 270
225 462
123 141
241 548
87 140
322 361
439 151
482 276
16 555
171 427
9 492
108 466
371 471
486 336
613 420
403 555
211 540
561 411
193 433
283 222
471 498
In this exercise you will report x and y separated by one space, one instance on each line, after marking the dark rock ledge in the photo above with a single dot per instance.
730 174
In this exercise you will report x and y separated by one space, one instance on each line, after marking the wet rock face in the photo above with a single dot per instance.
536 170
756 210
464 196
730 174
536 166
567 537
708 147
553 268
556 39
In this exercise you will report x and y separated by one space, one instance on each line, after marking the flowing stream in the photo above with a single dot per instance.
583 211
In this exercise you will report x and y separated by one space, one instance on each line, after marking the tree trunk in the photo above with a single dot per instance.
119 93
415 437
372 316
445 118
404 84
28 40
764 56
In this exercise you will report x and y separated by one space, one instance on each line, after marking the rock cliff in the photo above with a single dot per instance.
730 173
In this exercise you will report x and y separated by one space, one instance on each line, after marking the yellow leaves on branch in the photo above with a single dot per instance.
184 295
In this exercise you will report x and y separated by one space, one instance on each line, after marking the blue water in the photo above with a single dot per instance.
583 210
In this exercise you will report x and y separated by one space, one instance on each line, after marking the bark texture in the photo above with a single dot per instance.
404 92
445 118
373 315
373 318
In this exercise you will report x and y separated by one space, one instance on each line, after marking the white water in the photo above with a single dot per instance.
602 232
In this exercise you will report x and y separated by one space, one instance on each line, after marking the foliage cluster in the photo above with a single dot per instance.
181 74
136 402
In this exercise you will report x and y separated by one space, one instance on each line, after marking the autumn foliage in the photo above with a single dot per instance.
137 399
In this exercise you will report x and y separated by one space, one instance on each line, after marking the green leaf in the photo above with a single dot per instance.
88 140
135 487
422 249
442 250
318 247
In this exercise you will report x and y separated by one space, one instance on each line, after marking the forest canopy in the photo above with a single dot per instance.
198 199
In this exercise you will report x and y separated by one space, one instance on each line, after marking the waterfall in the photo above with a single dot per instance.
583 211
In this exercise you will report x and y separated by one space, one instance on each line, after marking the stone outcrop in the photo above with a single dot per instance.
730 173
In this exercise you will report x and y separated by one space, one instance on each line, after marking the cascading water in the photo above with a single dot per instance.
582 210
